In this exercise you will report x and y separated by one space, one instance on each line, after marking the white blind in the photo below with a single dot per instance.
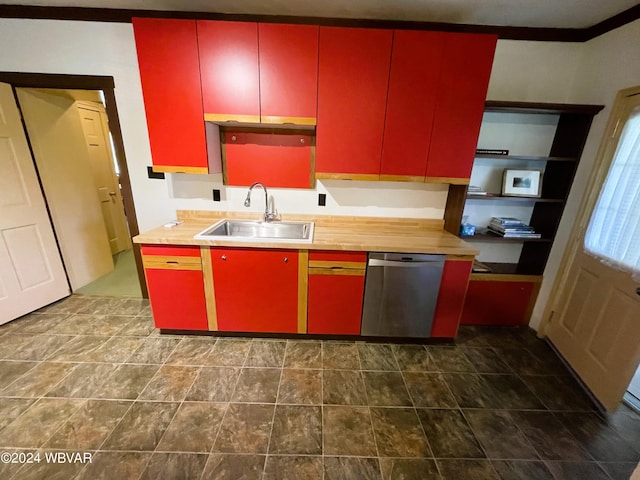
614 229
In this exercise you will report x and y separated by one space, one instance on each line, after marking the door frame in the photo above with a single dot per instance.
598 175
107 85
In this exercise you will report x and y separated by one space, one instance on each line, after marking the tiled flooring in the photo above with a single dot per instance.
90 374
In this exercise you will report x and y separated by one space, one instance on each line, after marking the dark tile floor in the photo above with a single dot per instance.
90 374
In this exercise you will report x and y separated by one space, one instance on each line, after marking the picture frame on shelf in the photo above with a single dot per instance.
521 183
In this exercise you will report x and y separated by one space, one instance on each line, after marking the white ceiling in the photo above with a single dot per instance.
521 13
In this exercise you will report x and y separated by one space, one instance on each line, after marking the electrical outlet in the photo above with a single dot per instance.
322 199
216 195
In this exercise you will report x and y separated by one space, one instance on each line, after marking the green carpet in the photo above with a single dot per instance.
121 282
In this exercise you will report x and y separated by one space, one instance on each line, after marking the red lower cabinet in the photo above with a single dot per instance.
495 302
336 290
176 287
335 301
453 287
256 290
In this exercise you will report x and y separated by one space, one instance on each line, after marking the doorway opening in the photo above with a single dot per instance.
98 256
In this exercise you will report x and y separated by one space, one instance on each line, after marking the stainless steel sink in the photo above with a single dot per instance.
247 230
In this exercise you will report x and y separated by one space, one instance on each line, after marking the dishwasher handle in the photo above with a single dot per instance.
374 262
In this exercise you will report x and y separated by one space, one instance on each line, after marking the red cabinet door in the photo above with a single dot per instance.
453 288
170 75
498 303
229 70
176 287
277 160
353 75
466 67
256 290
288 73
413 87
334 304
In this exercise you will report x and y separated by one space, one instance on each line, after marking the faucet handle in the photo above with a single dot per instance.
270 216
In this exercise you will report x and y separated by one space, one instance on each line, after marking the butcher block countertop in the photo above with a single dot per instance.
331 233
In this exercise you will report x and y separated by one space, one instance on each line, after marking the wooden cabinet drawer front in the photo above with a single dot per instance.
171 258
337 269
338 257
171 262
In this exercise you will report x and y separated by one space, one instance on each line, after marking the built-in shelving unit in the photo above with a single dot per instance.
546 137
538 136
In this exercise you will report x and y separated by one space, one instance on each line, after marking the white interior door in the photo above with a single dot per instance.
31 271
596 315
62 158
96 130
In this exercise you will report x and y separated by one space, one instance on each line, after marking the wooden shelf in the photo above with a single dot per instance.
495 196
527 158
541 108
508 271
487 237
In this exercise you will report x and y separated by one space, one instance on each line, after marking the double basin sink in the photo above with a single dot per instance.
247 230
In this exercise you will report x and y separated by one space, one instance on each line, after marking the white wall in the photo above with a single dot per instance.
534 71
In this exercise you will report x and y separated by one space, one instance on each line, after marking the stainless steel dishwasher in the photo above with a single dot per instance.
400 295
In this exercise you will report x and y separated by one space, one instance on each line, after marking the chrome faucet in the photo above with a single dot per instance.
270 213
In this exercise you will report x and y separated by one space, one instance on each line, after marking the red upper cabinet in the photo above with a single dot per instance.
229 70
466 68
170 74
413 88
288 73
353 76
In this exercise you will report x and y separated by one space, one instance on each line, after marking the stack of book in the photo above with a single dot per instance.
509 227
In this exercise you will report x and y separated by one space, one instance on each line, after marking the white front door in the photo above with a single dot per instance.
96 134
595 322
31 271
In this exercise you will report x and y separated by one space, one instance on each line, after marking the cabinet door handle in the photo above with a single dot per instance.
223 257
286 259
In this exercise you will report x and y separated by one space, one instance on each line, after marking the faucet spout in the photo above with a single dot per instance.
270 213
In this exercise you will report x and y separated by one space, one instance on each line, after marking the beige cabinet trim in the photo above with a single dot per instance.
401 178
276 120
171 262
449 180
460 258
332 264
230 117
337 271
303 289
209 291
368 177
177 169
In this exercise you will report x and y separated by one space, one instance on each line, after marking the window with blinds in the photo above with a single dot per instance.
613 233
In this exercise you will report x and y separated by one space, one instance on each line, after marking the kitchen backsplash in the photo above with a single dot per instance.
379 199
